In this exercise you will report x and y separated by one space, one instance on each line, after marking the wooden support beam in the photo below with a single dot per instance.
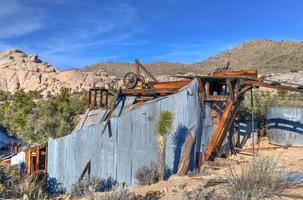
108 115
46 158
148 92
271 85
230 89
89 98
185 157
245 73
217 133
146 71
171 84
95 97
216 98
217 108
86 169
202 93
207 88
228 124
245 89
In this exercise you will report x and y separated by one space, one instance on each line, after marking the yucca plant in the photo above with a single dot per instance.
163 128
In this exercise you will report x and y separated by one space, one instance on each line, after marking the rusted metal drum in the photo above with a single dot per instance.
285 126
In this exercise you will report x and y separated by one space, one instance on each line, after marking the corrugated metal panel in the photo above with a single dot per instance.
285 126
130 140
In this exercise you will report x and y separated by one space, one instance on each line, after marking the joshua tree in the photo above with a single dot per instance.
163 127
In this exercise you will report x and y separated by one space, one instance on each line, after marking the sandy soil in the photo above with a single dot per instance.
291 158
175 187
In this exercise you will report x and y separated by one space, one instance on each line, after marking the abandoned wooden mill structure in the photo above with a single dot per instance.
223 89
116 135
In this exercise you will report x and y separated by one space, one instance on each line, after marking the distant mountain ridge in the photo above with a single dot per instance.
21 71
266 56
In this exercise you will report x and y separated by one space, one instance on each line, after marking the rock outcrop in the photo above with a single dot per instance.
280 61
21 71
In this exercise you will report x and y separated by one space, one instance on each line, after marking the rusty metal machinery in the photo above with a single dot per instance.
134 79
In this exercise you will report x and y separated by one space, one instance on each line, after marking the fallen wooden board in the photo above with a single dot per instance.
186 154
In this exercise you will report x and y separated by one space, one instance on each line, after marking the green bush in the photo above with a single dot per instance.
28 116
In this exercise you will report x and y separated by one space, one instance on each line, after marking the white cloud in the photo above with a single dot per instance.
101 26
18 19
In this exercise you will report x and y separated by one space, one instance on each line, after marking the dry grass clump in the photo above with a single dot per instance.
148 174
200 193
13 185
33 187
89 185
261 178
118 193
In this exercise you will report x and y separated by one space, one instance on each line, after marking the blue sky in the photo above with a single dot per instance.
74 33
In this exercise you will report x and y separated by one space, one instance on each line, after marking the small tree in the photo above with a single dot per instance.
163 127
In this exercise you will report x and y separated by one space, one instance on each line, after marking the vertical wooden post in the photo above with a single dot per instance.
207 89
252 120
95 97
37 159
28 160
89 98
230 89
106 98
217 133
101 97
46 158
137 67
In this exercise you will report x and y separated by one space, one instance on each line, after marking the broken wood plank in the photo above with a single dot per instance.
227 124
217 133
108 116
149 92
171 84
230 89
251 73
202 93
86 169
271 85
216 98
186 154
146 71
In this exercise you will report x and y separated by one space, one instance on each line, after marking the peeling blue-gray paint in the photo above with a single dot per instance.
129 141
285 126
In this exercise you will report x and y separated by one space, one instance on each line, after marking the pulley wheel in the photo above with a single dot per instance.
130 80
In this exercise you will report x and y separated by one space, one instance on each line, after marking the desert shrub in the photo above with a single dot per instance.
147 174
33 187
198 193
12 185
118 193
261 178
25 115
262 101
89 185
195 172
294 70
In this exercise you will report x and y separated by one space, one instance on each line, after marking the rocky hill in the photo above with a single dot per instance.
279 60
21 71
156 68
266 56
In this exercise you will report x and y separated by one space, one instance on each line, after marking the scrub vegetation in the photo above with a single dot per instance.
261 178
16 186
31 118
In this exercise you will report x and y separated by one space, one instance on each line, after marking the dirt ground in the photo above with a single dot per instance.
174 188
